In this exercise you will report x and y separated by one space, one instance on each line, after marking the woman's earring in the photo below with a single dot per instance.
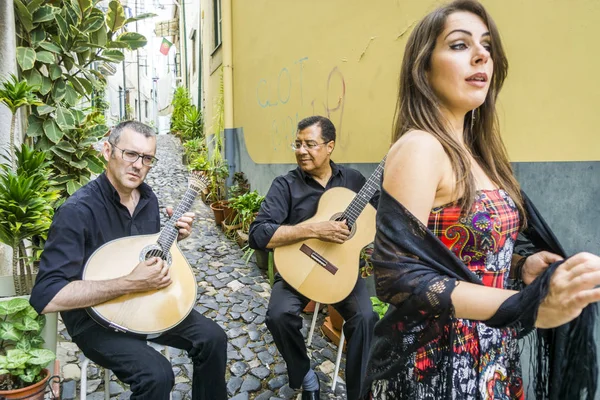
472 118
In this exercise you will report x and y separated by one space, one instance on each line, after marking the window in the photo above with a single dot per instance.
217 12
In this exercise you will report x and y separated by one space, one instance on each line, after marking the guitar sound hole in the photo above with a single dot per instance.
340 217
155 251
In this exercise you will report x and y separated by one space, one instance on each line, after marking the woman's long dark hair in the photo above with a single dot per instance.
419 108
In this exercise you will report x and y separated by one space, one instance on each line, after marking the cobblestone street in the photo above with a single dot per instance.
230 291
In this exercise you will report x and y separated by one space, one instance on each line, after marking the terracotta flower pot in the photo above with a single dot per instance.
229 213
218 208
32 392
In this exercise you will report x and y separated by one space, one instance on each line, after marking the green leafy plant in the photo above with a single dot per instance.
219 169
99 102
199 163
365 256
181 103
59 44
379 306
15 94
26 209
192 126
193 146
240 185
246 207
74 157
22 357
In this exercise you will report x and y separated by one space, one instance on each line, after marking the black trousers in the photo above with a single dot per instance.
149 374
284 322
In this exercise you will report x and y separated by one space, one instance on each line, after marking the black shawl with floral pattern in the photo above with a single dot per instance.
415 273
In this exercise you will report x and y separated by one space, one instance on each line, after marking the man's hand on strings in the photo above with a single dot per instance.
183 224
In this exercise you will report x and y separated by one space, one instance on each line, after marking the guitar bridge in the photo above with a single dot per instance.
319 259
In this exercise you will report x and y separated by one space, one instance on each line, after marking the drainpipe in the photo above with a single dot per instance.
185 53
228 86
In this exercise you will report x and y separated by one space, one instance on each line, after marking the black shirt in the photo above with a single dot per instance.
294 197
91 217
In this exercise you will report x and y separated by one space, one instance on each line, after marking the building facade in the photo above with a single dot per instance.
342 59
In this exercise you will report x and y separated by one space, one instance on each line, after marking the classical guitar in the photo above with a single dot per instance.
327 272
153 311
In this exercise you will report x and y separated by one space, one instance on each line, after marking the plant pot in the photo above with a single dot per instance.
229 213
32 392
218 208
230 228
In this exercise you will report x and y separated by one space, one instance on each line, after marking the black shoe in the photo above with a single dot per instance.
312 394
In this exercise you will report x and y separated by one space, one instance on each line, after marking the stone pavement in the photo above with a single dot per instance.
230 291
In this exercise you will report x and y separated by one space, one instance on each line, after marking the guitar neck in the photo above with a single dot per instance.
364 195
169 233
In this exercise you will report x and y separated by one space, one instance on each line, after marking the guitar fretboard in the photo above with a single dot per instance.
364 195
169 233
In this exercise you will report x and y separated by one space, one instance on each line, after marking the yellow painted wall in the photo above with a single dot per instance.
341 58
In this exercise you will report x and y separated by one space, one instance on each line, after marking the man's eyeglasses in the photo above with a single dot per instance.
307 145
132 156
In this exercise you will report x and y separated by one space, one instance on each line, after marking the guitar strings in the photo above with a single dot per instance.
359 202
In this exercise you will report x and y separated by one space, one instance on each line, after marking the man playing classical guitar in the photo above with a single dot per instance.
117 204
293 198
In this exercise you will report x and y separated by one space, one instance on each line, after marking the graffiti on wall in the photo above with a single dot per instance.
285 94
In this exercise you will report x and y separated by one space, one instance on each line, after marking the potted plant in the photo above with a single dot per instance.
22 358
192 126
193 148
218 171
240 185
246 207
26 209
181 103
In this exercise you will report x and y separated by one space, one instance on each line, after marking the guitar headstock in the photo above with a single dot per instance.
198 181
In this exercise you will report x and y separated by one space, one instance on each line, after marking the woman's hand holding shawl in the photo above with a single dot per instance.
572 288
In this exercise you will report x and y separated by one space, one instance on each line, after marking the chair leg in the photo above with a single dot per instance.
168 359
338 360
314 322
83 381
106 384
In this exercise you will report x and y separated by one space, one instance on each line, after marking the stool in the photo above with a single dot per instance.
83 386
338 359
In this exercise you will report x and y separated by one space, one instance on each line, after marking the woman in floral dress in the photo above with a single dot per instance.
449 191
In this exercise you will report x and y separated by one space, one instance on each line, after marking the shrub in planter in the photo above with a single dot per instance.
246 206
22 358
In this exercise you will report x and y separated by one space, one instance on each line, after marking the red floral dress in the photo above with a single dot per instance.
485 363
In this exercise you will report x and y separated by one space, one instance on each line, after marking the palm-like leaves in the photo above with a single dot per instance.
16 94
26 200
192 126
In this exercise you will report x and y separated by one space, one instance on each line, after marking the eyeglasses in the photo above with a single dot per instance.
308 145
132 156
